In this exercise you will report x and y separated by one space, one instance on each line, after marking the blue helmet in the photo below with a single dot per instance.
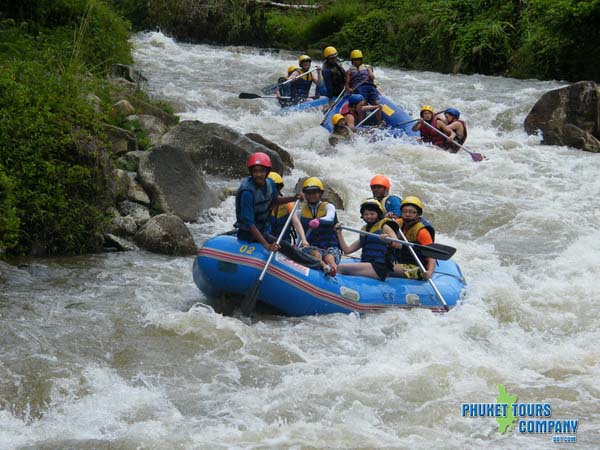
354 99
455 112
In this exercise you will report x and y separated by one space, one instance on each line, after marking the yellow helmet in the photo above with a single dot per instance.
275 177
336 118
329 51
426 108
414 201
356 54
292 68
303 58
312 184
371 204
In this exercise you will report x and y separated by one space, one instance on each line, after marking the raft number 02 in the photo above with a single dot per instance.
247 249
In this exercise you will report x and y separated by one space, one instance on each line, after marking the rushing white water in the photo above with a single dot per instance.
113 351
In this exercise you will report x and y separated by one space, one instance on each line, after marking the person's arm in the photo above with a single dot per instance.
350 121
346 249
417 125
329 216
318 83
446 130
282 200
424 238
348 88
371 73
299 230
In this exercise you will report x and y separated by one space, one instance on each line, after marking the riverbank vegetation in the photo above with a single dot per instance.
54 167
547 39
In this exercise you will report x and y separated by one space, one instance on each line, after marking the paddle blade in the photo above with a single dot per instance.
437 251
248 95
249 302
477 157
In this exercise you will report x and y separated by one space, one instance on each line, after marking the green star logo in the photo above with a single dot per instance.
509 420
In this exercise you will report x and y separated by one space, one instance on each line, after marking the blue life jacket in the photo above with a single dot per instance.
324 236
301 87
374 249
263 199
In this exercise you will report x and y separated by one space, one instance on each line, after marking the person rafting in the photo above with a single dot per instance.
284 91
334 75
459 127
253 202
377 258
380 188
437 133
360 79
341 132
318 219
418 233
301 85
280 214
354 110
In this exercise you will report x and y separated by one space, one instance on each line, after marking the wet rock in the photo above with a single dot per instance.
115 243
173 183
121 185
286 158
217 149
128 73
166 234
139 213
136 193
568 116
154 126
123 226
123 107
330 194
122 141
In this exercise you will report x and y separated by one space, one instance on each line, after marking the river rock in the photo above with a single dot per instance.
286 158
137 212
568 116
123 107
121 186
123 226
136 193
217 149
330 194
166 234
122 141
128 73
116 243
173 183
154 126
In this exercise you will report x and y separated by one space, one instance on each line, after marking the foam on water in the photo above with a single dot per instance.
115 350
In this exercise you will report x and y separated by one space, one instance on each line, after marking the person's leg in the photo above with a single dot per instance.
361 269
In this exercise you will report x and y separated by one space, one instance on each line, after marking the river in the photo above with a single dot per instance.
116 351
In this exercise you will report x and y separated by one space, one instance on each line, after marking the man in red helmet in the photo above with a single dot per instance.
254 200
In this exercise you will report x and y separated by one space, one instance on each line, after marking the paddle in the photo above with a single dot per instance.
339 99
247 95
436 251
416 120
368 117
429 280
271 88
477 157
249 302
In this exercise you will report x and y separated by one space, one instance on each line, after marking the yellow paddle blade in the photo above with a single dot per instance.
387 110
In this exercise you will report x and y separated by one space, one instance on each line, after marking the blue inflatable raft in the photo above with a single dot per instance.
228 267
394 117
304 106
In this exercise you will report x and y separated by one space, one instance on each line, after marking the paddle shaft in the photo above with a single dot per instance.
295 78
474 156
249 96
368 117
416 120
423 270
339 98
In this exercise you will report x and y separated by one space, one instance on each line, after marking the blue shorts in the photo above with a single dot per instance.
335 251
369 92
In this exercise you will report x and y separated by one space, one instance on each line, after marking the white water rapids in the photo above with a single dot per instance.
112 350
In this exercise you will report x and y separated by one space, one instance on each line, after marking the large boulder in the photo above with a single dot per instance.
283 154
330 194
173 183
166 234
217 149
568 116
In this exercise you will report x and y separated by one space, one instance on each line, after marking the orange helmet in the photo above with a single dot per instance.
381 180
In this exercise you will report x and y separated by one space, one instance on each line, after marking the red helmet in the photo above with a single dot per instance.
259 159
381 180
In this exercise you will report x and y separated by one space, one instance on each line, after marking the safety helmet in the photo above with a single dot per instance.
329 52
354 99
426 108
303 58
381 180
414 201
259 159
276 178
371 204
336 118
292 68
455 112
313 184
356 54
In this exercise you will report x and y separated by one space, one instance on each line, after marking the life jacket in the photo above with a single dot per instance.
455 148
285 91
279 216
345 110
404 256
324 236
340 135
432 136
301 87
334 78
359 75
262 203
374 249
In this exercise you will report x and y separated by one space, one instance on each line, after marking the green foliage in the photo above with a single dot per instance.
9 221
